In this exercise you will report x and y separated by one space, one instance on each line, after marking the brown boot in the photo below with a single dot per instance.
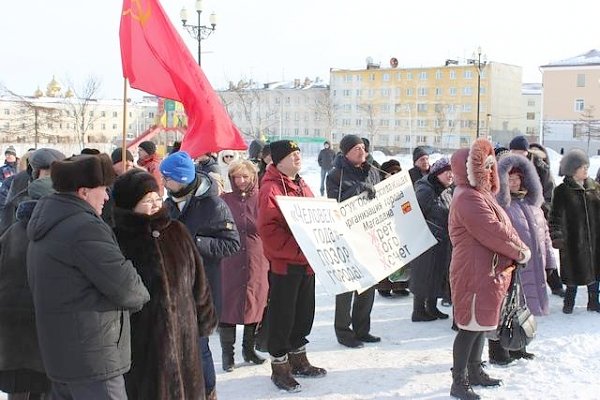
282 376
302 367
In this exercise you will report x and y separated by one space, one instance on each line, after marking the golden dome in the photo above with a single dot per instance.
69 93
53 88
38 93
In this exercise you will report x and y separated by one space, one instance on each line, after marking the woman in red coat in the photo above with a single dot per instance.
244 280
485 247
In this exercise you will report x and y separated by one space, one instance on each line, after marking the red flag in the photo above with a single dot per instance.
156 60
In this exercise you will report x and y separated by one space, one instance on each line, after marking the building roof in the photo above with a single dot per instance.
531 88
592 57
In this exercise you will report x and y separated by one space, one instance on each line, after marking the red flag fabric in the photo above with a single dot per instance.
156 60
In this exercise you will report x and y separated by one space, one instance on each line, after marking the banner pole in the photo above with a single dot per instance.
124 138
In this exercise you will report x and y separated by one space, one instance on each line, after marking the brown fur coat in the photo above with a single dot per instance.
164 334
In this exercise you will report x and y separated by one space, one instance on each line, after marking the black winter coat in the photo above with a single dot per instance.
83 290
575 229
19 349
429 271
543 171
345 180
415 174
164 346
210 222
325 159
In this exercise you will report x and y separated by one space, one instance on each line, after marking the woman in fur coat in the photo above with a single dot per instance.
484 248
574 229
244 282
165 358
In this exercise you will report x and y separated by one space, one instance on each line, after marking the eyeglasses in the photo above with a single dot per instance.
151 202
227 156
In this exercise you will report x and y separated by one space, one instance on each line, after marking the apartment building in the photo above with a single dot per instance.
571 103
532 108
399 108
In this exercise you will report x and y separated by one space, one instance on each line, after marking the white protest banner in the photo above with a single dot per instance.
354 244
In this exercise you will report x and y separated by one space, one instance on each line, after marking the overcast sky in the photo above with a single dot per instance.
270 40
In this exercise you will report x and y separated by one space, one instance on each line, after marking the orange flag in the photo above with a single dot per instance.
156 60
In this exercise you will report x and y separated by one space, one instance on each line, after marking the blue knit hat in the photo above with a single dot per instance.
178 167
519 143
441 165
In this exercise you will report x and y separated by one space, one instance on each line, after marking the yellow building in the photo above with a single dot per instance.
400 108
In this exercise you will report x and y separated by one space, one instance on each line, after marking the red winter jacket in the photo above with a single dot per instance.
281 249
151 165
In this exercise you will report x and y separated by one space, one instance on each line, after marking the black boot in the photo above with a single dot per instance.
282 376
227 336
554 282
592 304
419 313
478 377
248 345
431 307
569 301
497 354
461 388
522 354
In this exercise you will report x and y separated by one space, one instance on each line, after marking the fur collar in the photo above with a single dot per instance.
127 220
531 181
482 170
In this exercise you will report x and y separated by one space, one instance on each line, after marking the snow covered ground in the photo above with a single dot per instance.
413 360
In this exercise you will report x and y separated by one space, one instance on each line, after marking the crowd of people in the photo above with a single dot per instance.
114 274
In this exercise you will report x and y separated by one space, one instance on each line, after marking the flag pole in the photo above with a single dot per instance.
124 138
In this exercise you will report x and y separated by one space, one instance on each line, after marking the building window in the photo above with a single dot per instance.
397 92
115 114
317 132
452 91
386 77
438 91
530 115
423 75
103 127
579 105
358 92
385 108
468 74
421 123
150 115
421 139
409 75
421 107
346 92
384 122
358 122
7 125
385 92
468 90
306 131
531 103
438 74
372 77
407 139
409 91
580 80
398 76
103 113
452 74
6 111
530 130
422 91
467 107
397 123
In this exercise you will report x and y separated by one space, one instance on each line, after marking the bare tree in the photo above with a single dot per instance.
371 113
589 127
82 108
31 119
441 126
324 109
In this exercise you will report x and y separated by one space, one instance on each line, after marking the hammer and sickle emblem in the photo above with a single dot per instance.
138 12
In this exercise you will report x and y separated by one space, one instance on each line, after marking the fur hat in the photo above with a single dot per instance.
88 150
391 166
10 150
117 155
441 165
500 151
348 142
419 152
86 171
255 148
281 149
519 143
571 161
482 169
132 186
529 179
179 167
148 146
43 159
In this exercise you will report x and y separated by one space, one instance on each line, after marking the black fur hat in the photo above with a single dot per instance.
86 171
132 186
281 149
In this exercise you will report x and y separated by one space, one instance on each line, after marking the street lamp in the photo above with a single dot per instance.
480 65
198 32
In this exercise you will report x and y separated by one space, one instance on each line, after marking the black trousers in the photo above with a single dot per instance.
467 349
110 389
291 310
357 313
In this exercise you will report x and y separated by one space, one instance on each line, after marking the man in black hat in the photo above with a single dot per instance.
10 164
352 175
421 164
292 280
83 288
325 160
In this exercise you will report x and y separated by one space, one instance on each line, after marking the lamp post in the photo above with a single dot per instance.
480 65
198 32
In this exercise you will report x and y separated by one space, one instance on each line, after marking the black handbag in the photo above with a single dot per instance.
517 326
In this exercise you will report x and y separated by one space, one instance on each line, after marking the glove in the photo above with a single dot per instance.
526 256
558 243
367 187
